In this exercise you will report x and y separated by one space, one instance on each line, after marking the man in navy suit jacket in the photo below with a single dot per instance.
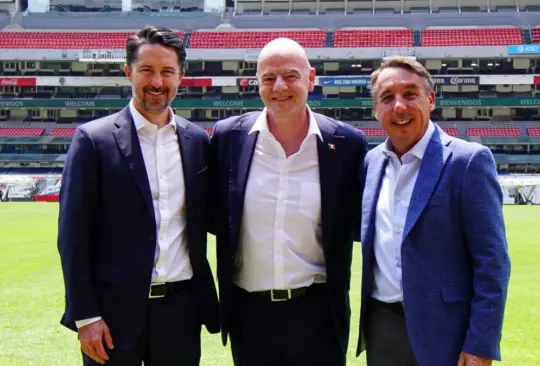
435 256
133 222
286 185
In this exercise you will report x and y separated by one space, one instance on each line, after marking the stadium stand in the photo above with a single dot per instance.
494 131
533 131
62 131
65 40
535 32
21 131
62 65
211 39
471 37
374 38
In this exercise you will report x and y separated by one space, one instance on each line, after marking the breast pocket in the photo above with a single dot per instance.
310 200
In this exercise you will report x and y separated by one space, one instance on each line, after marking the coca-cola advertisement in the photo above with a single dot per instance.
17 82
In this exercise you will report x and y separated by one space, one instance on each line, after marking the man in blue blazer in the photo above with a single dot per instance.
435 257
286 183
133 222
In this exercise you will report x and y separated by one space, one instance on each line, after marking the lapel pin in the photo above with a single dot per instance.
331 147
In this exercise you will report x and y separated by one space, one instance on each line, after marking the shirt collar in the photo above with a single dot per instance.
261 124
419 148
141 122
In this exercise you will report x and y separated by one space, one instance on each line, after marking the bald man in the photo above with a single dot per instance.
287 187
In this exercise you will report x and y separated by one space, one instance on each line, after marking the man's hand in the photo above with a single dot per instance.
92 336
466 359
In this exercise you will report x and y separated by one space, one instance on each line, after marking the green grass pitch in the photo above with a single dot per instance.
31 292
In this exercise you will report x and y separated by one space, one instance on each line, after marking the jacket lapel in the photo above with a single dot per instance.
431 167
189 165
187 154
242 146
373 179
127 141
330 153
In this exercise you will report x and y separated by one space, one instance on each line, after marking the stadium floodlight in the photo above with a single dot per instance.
102 56
403 52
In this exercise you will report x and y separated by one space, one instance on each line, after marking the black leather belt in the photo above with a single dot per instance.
159 290
284 295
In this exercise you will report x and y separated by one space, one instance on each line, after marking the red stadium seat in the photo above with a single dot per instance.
21 131
494 131
373 131
225 39
533 131
471 37
451 131
68 40
209 130
62 131
379 132
535 35
374 38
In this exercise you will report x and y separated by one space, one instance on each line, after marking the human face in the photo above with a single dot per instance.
403 107
155 76
285 81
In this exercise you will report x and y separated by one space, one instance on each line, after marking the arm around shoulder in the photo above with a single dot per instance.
485 235
77 217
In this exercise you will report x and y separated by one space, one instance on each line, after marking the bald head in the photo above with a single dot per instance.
286 48
285 79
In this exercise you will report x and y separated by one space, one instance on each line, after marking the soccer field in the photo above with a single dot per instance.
32 298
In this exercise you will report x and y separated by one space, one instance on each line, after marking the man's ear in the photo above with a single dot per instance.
127 71
311 79
432 101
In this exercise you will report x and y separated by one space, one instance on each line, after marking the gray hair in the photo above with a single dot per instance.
403 63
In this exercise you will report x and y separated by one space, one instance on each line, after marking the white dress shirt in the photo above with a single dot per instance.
391 212
162 159
280 239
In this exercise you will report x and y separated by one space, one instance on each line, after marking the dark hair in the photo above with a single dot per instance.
155 35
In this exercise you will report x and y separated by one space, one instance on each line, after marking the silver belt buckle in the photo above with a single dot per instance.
289 296
150 293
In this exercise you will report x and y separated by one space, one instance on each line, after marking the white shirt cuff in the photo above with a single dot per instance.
82 323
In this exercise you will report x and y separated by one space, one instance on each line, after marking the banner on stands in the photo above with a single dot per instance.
456 80
17 81
244 82
353 81
256 103
524 49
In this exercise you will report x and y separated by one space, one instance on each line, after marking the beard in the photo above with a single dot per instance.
156 104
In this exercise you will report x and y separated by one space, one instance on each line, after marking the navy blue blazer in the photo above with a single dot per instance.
455 263
340 179
107 228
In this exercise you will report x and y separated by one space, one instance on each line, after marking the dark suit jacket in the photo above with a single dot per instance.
340 174
106 232
455 263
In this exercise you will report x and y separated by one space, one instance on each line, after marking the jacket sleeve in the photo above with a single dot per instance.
77 217
484 230
360 187
212 197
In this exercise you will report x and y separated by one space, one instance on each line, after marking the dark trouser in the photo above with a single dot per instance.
172 335
387 340
295 332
